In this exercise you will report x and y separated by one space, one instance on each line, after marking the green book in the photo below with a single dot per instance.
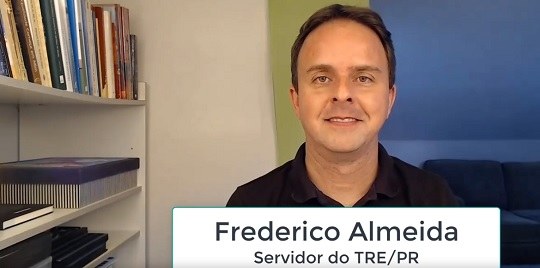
53 44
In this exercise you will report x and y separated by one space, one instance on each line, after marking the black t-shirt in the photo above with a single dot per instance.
397 184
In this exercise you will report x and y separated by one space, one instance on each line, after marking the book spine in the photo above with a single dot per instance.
115 48
5 69
120 49
100 37
72 26
81 50
65 45
13 46
25 37
54 50
134 75
96 52
116 57
127 50
33 11
109 54
89 46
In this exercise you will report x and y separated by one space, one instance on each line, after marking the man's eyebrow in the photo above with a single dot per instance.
364 68
320 68
358 68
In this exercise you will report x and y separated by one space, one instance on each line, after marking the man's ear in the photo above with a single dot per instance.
293 94
391 99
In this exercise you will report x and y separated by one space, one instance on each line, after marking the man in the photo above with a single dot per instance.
343 72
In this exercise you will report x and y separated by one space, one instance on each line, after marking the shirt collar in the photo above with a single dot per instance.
304 191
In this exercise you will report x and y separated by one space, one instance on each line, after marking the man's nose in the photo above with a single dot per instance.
343 92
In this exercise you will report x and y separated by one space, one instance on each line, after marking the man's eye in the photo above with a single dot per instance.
364 79
322 79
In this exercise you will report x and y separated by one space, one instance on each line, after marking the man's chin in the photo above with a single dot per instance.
344 148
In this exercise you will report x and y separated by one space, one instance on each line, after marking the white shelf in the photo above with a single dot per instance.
14 91
52 122
116 239
28 229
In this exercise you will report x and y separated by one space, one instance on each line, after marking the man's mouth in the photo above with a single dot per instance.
342 119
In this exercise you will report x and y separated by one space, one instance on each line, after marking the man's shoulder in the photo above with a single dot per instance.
424 187
263 190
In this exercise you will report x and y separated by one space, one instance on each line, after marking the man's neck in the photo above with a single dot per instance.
345 178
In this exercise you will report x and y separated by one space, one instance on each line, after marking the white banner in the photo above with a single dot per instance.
336 237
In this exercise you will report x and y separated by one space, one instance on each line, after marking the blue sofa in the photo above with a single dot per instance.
514 187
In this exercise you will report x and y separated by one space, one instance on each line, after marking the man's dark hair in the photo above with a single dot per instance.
364 16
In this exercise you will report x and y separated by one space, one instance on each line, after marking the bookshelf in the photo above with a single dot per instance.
116 240
51 122
21 92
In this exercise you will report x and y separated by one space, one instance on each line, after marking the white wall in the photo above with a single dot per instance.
9 141
210 104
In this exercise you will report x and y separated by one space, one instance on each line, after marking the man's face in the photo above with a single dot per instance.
343 95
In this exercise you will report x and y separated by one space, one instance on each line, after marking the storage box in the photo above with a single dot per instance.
66 182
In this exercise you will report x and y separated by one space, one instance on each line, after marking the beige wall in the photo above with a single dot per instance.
210 112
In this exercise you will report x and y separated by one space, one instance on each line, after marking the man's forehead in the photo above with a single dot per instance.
352 27
343 44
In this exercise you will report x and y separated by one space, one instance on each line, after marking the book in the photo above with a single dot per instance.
27 252
68 182
5 69
33 12
87 256
25 37
120 43
75 247
15 214
109 55
45 263
96 46
11 37
65 45
64 236
54 50
127 51
74 28
100 45
89 47
113 14
82 251
134 73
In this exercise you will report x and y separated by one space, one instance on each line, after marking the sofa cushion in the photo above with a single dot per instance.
531 214
522 184
478 182
517 229
520 238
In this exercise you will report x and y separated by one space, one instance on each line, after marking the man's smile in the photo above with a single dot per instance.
342 119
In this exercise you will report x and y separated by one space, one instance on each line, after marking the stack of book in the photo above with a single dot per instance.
75 247
15 214
69 45
33 252
66 182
